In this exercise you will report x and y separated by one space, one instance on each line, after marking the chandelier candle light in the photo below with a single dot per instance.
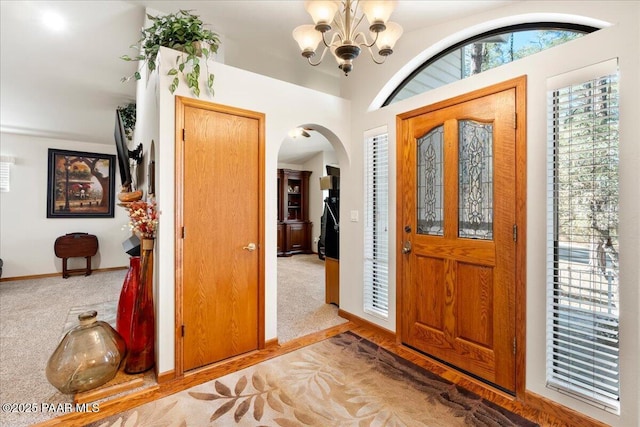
345 41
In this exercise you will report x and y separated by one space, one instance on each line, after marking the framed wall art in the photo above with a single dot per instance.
80 184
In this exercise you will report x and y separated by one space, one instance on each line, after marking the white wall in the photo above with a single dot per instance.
241 89
286 67
620 40
316 195
27 236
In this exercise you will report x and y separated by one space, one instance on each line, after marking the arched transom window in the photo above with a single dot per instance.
484 52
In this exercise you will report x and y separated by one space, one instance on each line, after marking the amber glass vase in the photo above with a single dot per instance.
142 338
88 356
127 299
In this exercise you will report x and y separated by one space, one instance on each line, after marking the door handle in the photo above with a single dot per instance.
250 247
406 248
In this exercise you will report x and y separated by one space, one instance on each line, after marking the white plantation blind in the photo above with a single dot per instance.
376 247
4 175
582 250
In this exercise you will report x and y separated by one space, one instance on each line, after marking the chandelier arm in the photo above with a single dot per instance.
373 56
334 37
364 37
314 64
325 43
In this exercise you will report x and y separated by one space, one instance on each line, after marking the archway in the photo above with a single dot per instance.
306 154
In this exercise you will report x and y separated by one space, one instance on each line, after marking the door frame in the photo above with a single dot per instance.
519 84
181 103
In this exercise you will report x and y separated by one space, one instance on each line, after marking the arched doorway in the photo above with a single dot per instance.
305 155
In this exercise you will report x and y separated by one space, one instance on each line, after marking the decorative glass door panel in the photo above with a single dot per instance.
430 183
475 186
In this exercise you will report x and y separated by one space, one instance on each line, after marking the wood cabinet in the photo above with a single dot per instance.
294 227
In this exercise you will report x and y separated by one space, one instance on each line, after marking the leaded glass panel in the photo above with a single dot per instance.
430 203
475 174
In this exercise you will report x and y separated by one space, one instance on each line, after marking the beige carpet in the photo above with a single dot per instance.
301 298
35 314
342 381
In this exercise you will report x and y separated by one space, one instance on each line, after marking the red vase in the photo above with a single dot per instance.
127 299
142 338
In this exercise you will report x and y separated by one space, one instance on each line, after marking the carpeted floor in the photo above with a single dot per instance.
345 380
35 314
301 298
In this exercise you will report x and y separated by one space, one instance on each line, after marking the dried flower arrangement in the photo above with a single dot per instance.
143 218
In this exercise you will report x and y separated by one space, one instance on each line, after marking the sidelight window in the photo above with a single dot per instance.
582 251
376 256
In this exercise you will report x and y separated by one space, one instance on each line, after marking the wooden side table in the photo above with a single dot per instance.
74 245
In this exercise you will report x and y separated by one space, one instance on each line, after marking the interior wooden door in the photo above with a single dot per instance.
221 240
457 225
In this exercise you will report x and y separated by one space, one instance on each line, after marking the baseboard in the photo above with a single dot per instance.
272 343
570 416
59 273
165 377
386 333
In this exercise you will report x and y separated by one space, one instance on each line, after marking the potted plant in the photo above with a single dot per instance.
181 31
128 114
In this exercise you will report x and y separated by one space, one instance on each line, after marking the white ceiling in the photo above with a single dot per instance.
298 150
66 84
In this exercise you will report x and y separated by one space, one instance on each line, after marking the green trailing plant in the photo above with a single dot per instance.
181 31
128 114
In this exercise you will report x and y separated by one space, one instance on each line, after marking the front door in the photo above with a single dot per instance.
457 225
220 156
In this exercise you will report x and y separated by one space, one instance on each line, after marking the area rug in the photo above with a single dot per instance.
341 381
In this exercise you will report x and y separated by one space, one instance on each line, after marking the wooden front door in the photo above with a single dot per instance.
220 157
457 233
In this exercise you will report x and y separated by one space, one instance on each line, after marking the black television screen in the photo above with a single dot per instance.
123 153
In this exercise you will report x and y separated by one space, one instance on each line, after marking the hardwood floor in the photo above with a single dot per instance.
534 408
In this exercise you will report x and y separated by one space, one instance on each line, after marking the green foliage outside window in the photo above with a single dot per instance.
484 52
484 55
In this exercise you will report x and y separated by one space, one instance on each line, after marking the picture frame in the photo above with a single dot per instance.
80 184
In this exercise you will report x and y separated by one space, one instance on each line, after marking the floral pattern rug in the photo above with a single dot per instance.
341 381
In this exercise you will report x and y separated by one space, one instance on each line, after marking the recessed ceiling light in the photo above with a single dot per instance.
54 21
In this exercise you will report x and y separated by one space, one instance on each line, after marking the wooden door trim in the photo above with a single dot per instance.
519 84
181 103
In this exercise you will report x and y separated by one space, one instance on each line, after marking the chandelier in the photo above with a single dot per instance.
345 41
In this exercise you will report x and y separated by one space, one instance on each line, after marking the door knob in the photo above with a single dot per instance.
406 248
250 247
